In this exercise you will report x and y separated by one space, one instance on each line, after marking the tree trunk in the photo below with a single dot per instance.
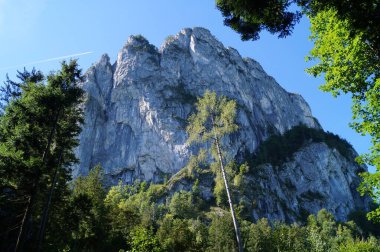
47 206
20 237
33 191
236 225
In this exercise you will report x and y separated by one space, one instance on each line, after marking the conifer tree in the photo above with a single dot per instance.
215 118
40 123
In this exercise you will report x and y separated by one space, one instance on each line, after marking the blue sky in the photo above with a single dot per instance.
39 30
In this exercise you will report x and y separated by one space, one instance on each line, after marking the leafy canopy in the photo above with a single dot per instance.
350 65
250 17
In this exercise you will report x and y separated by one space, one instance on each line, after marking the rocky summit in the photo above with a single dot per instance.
136 112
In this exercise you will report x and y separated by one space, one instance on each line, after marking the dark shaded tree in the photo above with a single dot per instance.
11 90
40 123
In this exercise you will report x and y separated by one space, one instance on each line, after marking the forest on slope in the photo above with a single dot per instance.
41 209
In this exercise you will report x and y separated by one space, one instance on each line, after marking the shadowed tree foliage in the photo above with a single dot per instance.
278 149
38 133
88 211
250 17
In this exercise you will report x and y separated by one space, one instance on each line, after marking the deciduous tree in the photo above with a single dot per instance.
351 66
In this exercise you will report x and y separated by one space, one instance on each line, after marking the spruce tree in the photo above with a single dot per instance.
40 123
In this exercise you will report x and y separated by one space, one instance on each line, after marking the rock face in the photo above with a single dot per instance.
317 177
136 111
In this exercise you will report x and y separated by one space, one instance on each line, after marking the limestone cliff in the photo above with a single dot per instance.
136 111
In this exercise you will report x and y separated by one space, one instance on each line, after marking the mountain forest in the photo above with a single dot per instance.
191 147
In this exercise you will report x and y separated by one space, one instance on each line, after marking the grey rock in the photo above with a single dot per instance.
136 111
317 177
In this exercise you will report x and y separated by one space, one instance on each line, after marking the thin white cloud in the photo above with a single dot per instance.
45 60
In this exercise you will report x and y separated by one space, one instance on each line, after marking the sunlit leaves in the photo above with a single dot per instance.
350 65
215 117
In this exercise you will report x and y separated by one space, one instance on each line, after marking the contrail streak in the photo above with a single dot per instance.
45 60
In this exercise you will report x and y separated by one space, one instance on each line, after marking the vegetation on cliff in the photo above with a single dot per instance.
346 52
83 215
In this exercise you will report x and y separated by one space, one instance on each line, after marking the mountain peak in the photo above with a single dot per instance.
136 114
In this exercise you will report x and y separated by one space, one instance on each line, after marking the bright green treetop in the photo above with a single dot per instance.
350 65
215 118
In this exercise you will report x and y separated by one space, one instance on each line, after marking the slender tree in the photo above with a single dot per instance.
215 118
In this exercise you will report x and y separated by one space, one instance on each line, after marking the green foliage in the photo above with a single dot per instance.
182 234
278 149
215 118
360 246
144 240
350 64
88 211
130 218
234 176
38 133
220 191
371 186
182 205
259 236
321 233
12 90
345 61
91 185
289 238
249 18
281 237
221 234
346 49
143 204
